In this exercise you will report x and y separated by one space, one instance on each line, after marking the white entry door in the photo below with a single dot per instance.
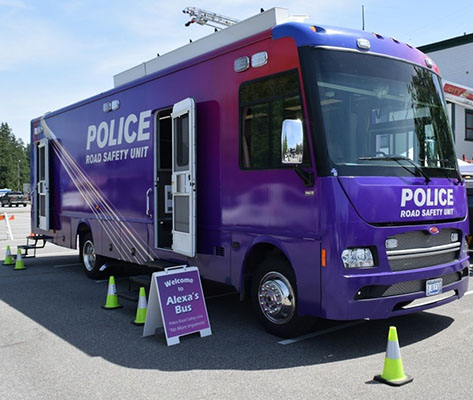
42 184
183 178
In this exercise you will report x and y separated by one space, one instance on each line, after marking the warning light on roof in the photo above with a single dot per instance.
317 29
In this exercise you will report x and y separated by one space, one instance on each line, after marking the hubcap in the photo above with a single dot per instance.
89 255
276 298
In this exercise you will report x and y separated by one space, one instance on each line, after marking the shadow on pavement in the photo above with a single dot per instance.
68 304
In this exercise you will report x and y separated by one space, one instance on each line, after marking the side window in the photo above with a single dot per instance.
264 105
468 125
182 139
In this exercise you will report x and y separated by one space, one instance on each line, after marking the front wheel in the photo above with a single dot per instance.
274 299
91 260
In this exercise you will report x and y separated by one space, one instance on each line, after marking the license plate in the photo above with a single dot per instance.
433 287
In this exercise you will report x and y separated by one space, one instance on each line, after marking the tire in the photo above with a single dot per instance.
91 261
274 299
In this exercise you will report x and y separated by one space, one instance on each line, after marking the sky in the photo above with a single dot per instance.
55 53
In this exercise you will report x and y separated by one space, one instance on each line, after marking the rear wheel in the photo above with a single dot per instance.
90 259
274 298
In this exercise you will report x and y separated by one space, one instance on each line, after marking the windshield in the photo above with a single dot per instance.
378 116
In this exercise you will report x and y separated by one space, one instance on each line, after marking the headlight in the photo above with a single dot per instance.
357 258
465 245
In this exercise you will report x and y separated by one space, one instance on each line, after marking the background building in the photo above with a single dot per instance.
454 58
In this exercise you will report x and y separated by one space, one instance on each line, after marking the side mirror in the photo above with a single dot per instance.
292 141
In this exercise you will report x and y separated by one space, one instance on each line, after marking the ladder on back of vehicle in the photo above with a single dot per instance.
33 242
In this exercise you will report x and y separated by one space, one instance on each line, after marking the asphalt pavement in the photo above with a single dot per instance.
56 342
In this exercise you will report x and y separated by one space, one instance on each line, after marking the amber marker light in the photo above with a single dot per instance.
324 258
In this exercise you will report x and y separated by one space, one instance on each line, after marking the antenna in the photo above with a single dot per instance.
203 17
362 17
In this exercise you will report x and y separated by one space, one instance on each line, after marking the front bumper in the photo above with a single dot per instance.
385 295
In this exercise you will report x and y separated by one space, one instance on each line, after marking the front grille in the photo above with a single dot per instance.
408 287
423 239
421 262
419 249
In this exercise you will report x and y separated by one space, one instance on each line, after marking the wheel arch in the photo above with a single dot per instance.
261 249
82 228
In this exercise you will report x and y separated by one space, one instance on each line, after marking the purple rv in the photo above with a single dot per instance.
310 167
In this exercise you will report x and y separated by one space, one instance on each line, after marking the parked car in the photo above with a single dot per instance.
13 199
4 191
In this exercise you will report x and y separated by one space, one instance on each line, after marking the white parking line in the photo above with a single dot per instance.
116 279
63 253
468 293
319 333
67 265
216 296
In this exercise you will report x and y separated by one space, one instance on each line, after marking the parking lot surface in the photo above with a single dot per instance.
56 342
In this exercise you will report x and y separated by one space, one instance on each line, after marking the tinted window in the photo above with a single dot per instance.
182 139
374 109
468 125
264 105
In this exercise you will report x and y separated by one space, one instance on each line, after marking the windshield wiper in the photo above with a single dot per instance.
397 159
446 160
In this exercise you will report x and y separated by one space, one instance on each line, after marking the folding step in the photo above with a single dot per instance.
35 245
133 291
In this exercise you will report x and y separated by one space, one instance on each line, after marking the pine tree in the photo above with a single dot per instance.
14 160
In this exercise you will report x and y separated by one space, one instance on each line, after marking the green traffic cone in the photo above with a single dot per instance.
8 258
19 264
111 302
140 318
393 372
